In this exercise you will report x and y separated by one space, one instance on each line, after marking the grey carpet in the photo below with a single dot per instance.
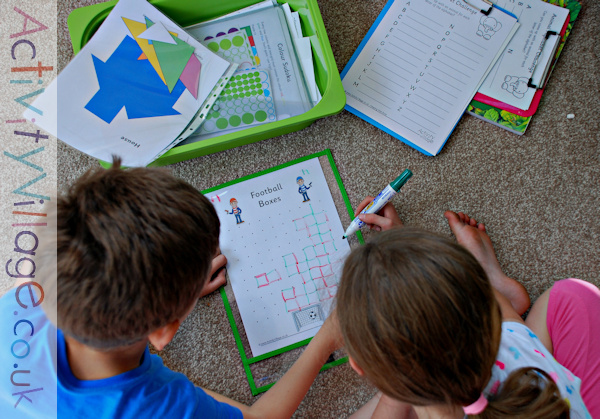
538 194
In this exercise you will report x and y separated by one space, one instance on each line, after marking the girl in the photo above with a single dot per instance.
437 329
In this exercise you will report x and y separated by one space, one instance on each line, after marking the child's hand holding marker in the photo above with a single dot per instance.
370 206
386 218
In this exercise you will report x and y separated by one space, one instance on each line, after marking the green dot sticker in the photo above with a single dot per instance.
248 118
244 76
260 116
256 73
238 41
246 82
260 92
216 114
225 44
221 123
238 77
235 120
248 94
257 80
213 46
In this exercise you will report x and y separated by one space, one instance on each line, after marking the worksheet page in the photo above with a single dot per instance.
133 88
529 52
282 236
420 65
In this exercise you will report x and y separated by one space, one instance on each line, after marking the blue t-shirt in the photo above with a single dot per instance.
150 390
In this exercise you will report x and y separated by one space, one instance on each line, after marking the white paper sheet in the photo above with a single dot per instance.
273 49
284 254
421 66
80 110
527 51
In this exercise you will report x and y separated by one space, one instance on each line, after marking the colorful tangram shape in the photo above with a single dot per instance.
172 58
145 75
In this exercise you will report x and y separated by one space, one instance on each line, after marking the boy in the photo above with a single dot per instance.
125 242
237 211
302 188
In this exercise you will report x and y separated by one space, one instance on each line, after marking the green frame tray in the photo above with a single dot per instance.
84 22
238 340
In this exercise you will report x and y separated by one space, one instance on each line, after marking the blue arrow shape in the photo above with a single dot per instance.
128 82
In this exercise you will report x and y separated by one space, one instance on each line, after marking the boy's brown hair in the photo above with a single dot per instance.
134 250
419 316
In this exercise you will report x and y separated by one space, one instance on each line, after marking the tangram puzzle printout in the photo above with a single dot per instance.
282 237
133 89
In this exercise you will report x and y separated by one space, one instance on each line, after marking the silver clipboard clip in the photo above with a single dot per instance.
538 76
485 11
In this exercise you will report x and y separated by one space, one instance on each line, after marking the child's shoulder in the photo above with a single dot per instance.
520 347
26 355
151 390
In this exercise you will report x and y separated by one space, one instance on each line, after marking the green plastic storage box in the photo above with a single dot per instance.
84 22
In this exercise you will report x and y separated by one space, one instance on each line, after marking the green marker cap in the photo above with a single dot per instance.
401 180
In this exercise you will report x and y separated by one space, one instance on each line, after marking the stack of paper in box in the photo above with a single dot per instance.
275 77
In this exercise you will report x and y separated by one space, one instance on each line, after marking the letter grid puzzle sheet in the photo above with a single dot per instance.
420 65
282 236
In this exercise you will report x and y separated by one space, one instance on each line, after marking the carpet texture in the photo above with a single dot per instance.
538 194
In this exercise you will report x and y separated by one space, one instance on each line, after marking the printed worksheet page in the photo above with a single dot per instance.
420 65
133 88
282 236
529 52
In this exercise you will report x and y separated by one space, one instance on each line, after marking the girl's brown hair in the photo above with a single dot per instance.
419 316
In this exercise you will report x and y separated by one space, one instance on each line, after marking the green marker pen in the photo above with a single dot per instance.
379 202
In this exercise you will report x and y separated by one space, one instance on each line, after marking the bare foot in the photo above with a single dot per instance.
472 235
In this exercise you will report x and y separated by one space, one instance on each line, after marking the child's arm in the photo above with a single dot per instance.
508 312
282 400
386 218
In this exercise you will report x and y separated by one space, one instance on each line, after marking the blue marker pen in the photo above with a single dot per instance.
379 202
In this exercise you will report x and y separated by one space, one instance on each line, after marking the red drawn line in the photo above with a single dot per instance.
39 214
15 121
29 224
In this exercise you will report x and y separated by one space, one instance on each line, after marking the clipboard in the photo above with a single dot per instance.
556 49
513 119
262 371
385 77
525 65
487 5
